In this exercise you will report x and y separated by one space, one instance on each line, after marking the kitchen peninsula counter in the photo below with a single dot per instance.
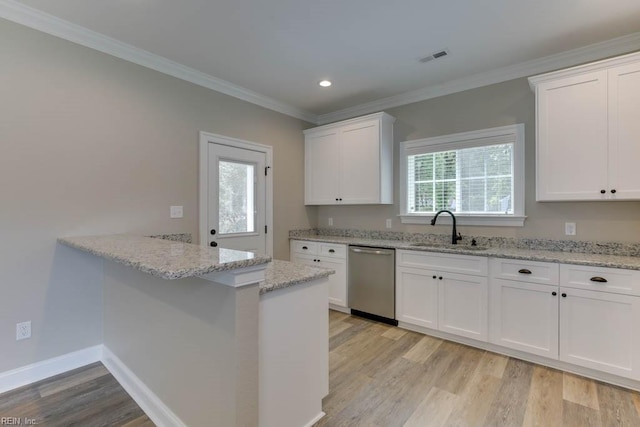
197 335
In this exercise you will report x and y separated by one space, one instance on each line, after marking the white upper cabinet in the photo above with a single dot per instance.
350 162
588 134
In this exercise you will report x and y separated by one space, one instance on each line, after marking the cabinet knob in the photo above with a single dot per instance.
613 191
434 277
564 295
603 191
341 197
337 199
440 278
213 231
213 244
524 271
331 251
554 293
598 279
305 248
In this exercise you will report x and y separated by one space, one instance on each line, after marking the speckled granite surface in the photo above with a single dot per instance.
175 237
597 254
163 258
283 274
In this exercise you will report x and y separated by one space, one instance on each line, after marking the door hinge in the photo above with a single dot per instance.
265 229
266 168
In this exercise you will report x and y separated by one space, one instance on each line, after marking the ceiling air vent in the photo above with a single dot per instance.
436 55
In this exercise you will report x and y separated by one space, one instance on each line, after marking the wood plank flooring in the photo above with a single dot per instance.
381 376
88 397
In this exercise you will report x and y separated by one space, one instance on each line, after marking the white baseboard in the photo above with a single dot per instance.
151 404
315 420
47 368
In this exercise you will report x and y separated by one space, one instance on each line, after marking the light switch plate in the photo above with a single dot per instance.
175 212
389 223
330 222
570 228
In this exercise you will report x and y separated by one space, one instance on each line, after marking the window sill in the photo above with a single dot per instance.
462 219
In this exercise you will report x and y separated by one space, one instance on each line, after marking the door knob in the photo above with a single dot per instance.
213 244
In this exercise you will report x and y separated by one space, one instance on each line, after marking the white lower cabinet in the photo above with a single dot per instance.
328 255
600 330
417 297
442 299
524 306
524 316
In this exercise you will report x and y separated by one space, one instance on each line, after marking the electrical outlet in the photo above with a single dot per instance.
570 228
23 330
330 222
175 212
389 223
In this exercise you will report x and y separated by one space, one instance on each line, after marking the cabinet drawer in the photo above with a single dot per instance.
600 279
301 247
545 273
465 264
333 250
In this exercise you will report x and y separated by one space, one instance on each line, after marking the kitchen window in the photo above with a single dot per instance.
477 175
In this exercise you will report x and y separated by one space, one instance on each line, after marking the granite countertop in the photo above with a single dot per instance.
163 258
559 256
283 274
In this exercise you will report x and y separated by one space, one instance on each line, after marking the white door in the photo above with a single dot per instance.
417 297
237 198
463 305
624 132
600 330
572 138
525 317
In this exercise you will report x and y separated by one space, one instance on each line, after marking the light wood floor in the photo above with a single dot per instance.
86 397
381 376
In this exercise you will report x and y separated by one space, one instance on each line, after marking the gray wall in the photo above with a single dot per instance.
496 105
91 144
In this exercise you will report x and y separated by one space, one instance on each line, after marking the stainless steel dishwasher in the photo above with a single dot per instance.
372 283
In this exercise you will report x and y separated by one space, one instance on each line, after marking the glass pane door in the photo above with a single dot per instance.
236 197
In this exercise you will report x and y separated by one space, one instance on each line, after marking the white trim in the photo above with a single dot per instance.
147 400
38 371
464 140
315 420
462 219
205 139
583 69
41 21
593 52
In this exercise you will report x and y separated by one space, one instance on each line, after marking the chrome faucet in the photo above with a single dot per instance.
455 236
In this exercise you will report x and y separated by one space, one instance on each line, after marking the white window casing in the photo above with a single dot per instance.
452 156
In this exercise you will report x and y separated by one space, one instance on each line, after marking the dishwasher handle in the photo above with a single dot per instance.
369 251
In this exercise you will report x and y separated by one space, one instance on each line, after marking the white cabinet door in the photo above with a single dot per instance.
360 159
463 305
417 297
572 137
322 168
524 316
601 331
624 132
337 281
304 259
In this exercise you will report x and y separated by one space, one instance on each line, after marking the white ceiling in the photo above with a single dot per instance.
368 48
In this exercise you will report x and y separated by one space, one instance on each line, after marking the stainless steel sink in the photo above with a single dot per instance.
448 246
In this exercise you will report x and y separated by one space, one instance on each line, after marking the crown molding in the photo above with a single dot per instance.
21 14
545 64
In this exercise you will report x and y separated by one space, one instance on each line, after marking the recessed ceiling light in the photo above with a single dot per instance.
324 83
